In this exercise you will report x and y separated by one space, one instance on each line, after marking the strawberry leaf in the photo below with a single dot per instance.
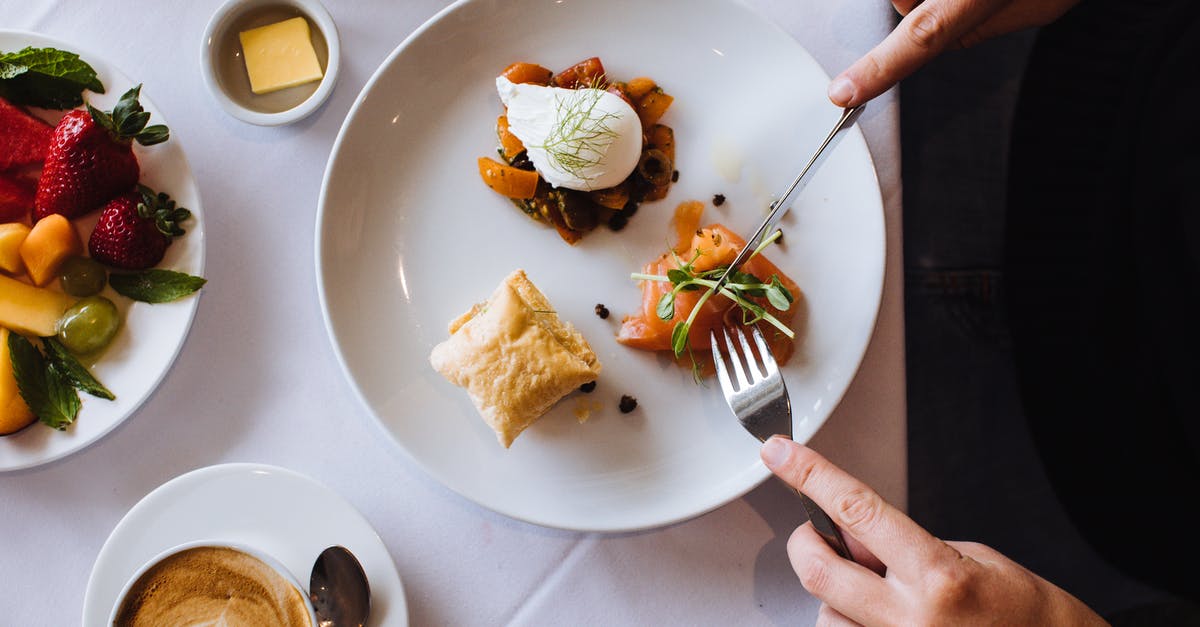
128 120
101 118
132 124
160 208
155 134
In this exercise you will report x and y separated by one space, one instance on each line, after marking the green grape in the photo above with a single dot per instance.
89 325
82 276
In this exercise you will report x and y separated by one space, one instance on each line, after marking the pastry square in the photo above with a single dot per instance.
515 357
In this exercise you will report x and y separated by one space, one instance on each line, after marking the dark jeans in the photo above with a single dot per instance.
1047 407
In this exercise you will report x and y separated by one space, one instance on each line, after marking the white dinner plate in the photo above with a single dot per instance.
408 238
279 511
151 335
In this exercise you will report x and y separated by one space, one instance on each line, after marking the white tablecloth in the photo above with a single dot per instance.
287 403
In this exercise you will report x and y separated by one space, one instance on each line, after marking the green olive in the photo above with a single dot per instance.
82 276
89 325
655 167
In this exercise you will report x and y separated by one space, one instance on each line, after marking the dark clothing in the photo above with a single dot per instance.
1053 326
1103 269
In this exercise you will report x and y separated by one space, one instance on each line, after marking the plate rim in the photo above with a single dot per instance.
758 471
201 259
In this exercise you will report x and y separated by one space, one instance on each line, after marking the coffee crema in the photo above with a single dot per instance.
212 585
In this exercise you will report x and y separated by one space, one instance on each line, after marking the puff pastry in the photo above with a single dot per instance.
515 357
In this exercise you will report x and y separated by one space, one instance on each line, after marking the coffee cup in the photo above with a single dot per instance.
205 581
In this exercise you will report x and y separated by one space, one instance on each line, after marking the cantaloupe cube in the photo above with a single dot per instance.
30 310
14 413
12 235
49 242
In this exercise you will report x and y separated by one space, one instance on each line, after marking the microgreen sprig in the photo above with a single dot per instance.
740 288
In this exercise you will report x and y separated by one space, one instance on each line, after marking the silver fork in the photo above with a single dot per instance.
762 405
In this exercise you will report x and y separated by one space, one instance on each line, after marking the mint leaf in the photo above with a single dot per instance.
155 285
76 373
47 392
64 400
46 77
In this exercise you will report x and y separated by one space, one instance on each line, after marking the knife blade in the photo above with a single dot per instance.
780 207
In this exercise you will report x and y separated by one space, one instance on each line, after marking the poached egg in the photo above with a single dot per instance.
581 139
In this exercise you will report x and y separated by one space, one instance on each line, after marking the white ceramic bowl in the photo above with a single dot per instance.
225 84
249 550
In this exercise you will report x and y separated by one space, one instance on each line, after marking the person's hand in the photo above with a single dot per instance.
904 575
930 27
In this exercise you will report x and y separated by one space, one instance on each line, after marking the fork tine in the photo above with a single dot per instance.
719 362
751 364
743 383
768 360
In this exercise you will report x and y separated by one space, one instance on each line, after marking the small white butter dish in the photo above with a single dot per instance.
223 65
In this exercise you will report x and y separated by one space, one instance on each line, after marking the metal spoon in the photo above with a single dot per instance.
339 590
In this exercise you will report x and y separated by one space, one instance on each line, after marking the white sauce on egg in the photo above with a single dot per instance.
582 139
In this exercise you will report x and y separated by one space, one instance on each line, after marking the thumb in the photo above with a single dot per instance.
924 33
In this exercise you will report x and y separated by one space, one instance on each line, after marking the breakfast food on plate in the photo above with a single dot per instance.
91 158
16 196
51 240
583 139
14 413
579 149
135 229
280 55
89 325
52 309
30 310
12 235
515 357
25 138
679 310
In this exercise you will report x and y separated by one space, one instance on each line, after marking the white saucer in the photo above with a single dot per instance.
284 513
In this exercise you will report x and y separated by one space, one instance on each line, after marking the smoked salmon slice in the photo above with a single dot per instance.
706 248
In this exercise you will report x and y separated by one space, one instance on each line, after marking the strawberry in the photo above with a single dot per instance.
135 229
16 197
23 138
91 159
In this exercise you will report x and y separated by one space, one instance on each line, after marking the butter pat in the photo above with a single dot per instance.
280 55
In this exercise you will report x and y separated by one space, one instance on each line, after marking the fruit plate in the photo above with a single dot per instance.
408 238
151 335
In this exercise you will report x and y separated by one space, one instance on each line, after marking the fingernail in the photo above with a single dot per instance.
775 452
841 91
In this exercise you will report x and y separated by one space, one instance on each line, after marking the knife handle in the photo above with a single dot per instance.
825 527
